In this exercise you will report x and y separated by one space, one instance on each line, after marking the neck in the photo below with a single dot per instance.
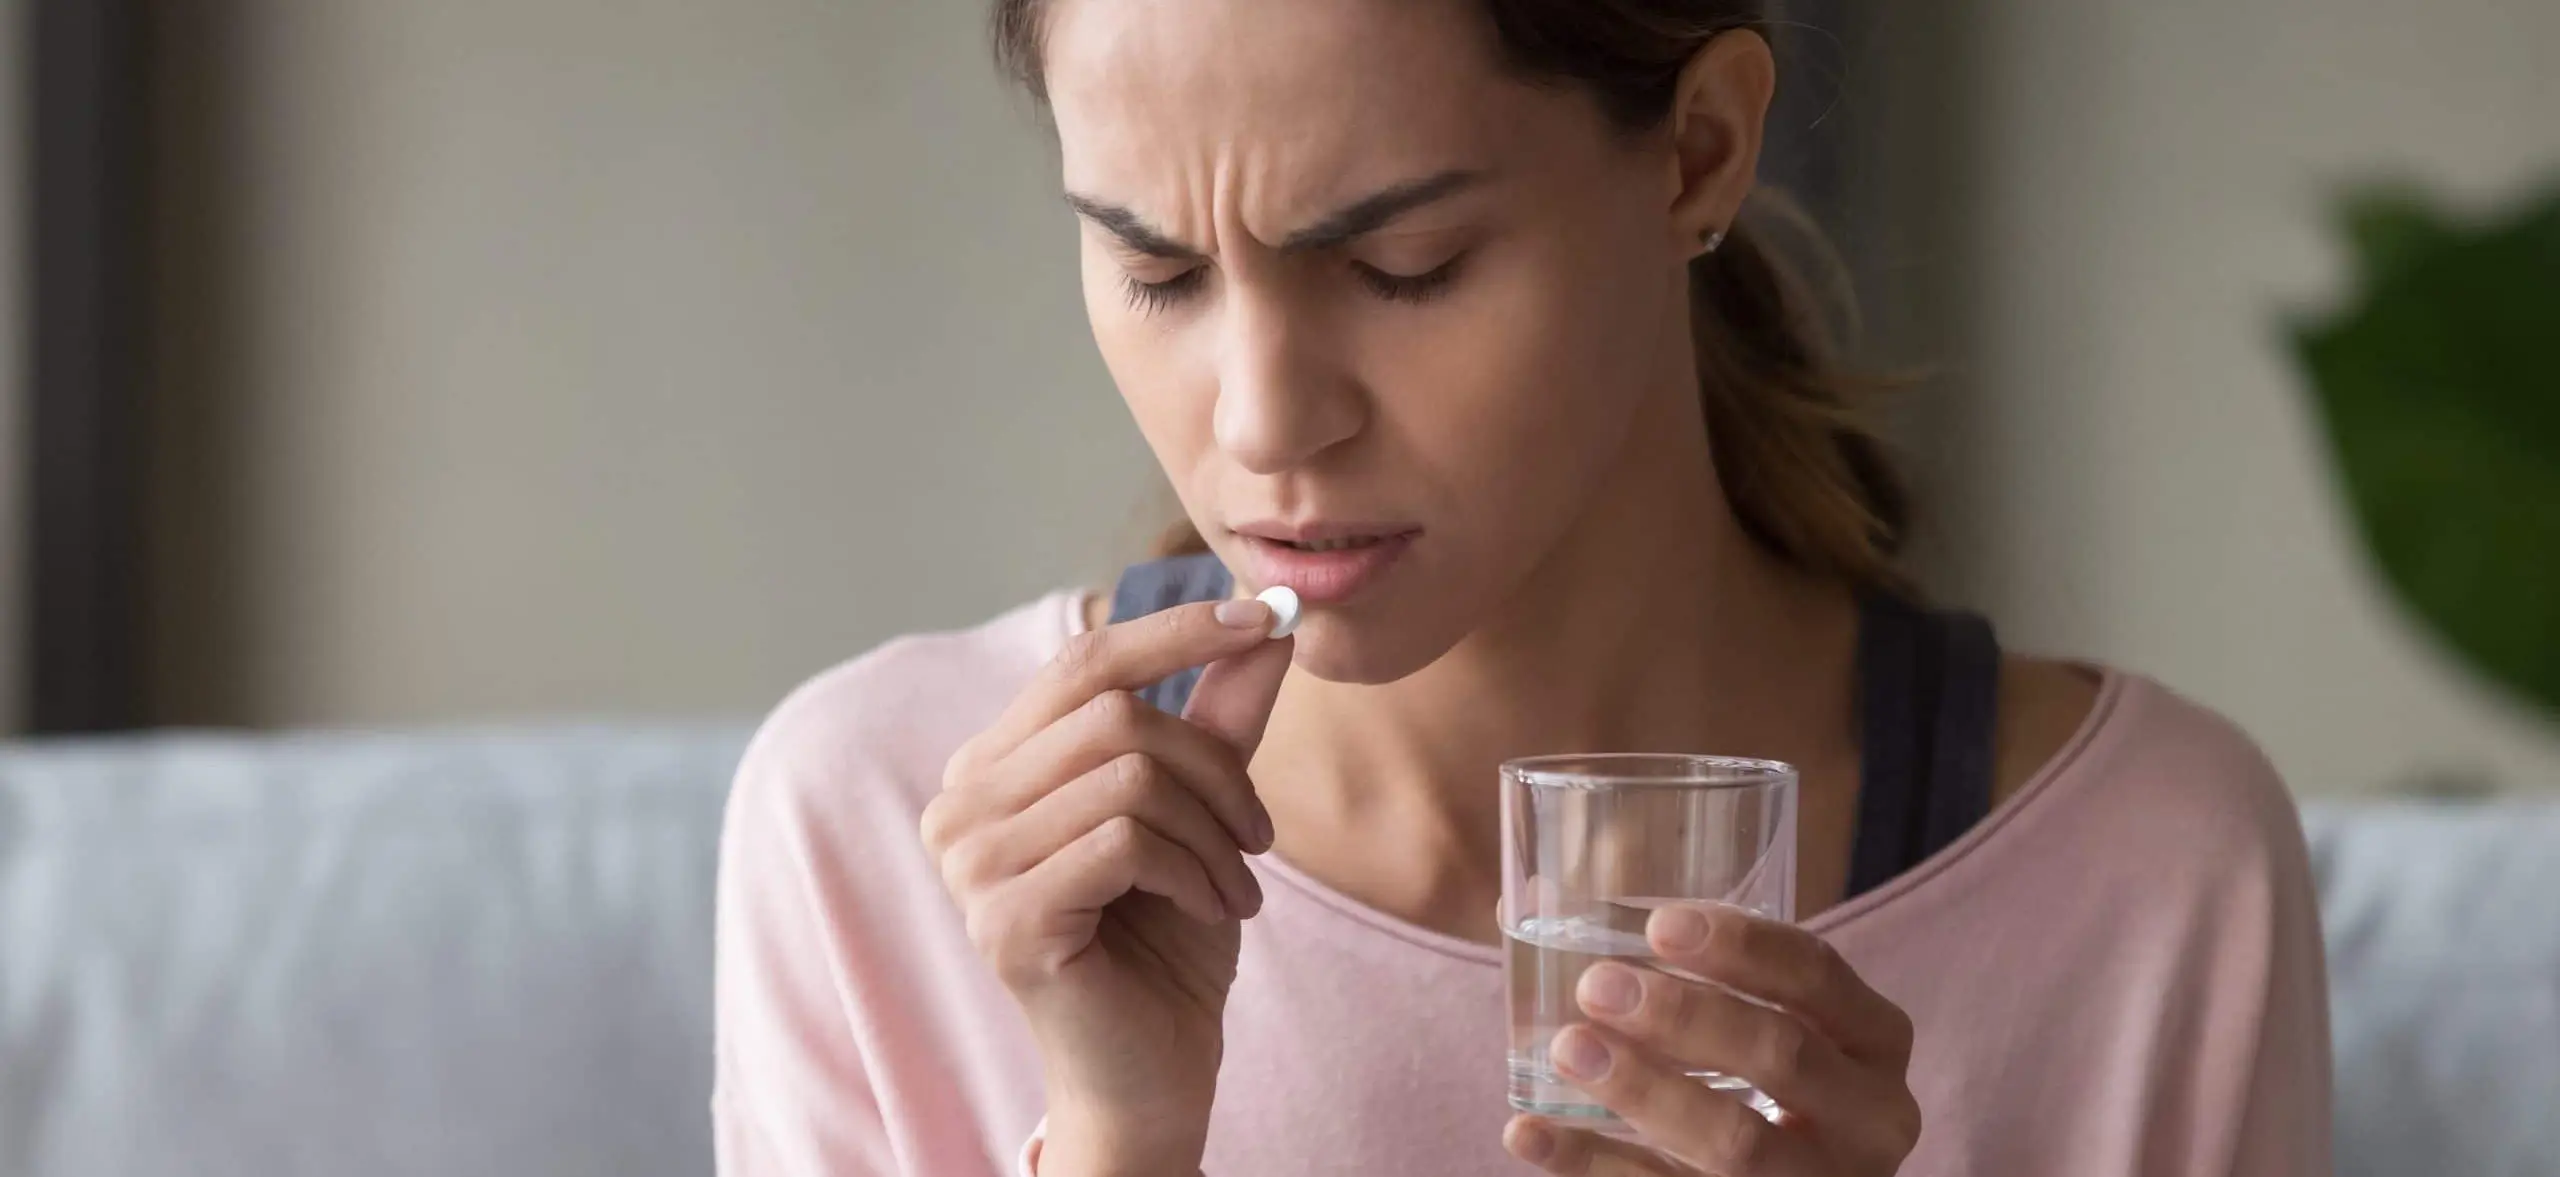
1658 626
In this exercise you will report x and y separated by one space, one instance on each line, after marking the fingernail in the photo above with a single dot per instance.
1244 614
1610 990
1532 1142
1580 1053
1263 835
1680 929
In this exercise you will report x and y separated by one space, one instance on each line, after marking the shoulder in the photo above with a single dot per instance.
2166 777
2183 856
2192 758
864 743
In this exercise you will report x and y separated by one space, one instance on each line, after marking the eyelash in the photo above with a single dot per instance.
1413 289
1157 296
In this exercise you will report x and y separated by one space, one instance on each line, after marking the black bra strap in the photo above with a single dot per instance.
1928 696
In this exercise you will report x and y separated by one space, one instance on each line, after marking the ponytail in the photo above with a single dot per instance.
1800 463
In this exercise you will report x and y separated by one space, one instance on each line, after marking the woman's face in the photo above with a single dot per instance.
1386 315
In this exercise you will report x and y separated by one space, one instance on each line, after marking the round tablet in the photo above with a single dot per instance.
1284 609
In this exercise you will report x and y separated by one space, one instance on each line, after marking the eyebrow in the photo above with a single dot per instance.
1360 217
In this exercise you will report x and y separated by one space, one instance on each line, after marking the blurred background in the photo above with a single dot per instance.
502 368
483 360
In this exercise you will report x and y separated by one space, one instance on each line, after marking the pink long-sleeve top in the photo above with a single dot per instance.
2117 972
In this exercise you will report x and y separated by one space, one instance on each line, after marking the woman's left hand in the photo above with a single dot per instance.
1834 1055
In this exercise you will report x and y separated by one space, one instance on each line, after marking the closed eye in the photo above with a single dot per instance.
1411 289
1415 289
1152 297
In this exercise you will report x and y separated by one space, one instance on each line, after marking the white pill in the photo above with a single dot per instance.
1284 609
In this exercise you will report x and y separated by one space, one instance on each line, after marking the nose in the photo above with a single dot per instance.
1282 400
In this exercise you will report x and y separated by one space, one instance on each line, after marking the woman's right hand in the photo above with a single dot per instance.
1096 846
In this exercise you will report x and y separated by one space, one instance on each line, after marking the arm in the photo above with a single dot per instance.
2282 1124
791 1097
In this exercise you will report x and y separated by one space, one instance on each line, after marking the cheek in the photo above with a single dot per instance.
1156 371
1521 402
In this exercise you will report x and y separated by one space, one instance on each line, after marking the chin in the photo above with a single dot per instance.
1370 651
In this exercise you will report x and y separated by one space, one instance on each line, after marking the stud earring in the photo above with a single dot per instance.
1714 240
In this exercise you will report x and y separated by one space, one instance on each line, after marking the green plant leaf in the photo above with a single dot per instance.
2389 225
2440 387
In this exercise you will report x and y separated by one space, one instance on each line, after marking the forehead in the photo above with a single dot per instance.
1300 100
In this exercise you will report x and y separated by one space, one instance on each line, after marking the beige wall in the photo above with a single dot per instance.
557 356
2133 197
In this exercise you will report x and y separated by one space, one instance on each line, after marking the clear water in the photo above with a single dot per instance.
1547 959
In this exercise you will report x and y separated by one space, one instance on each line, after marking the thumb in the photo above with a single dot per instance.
1233 700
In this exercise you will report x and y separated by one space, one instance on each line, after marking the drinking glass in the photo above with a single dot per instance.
1591 845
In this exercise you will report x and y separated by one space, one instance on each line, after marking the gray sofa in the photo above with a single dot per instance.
488 953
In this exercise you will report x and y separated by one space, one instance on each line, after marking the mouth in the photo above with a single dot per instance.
1323 564
1334 545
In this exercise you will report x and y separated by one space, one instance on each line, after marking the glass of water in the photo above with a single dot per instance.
1591 845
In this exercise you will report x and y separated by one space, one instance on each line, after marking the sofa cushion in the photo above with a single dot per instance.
458 954
2443 927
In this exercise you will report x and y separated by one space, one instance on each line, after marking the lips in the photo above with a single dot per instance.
1336 545
1324 564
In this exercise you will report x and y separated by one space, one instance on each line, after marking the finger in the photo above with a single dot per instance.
1233 700
1134 785
1045 918
1703 1028
1122 855
1115 724
1126 657
1787 966
1676 1113
1577 1152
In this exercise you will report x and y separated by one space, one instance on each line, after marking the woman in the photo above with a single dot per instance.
1445 314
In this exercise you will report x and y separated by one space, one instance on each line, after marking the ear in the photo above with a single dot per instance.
1717 121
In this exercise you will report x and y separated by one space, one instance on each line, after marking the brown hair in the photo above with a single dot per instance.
1804 470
